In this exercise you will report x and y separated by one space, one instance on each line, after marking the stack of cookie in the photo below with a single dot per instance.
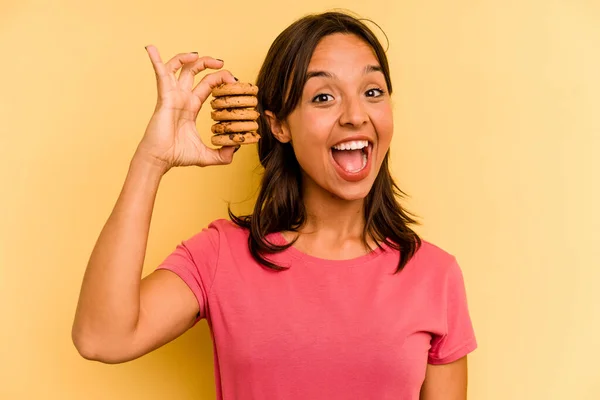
234 110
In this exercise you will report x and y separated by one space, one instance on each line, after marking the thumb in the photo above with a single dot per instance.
226 153
221 156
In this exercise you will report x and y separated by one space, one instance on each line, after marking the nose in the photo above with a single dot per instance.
353 113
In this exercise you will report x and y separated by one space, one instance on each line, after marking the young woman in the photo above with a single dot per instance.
324 292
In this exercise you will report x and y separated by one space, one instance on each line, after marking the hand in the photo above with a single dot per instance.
171 138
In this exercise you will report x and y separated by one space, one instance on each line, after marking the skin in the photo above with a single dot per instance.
446 382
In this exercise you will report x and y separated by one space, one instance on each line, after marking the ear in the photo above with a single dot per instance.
279 129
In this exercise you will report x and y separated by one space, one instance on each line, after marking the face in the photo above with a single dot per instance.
342 127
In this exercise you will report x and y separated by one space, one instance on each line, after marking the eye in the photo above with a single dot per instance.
322 98
374 92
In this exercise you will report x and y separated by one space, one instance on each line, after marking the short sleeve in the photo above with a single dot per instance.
458 338
195 261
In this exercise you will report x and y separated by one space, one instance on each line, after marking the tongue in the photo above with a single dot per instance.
349 160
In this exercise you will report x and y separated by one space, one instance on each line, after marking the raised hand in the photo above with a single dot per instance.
171 138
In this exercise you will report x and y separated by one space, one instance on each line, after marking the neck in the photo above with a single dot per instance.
333 228
330 220
332 216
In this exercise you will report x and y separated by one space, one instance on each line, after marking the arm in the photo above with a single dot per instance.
445 381
120 316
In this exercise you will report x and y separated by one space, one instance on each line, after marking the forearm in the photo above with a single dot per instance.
108 307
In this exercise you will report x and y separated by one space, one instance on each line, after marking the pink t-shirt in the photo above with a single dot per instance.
323 329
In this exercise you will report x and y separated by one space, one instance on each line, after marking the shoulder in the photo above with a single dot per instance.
436 272
432 254
228 231
226 225
431 259
223 225
215 233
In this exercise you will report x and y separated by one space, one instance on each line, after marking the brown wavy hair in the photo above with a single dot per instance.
279 206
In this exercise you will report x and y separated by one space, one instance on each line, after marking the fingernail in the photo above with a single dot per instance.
218 59
237 148
235 78
194 52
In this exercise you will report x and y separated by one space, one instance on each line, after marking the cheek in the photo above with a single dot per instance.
313 125
383 122
310 130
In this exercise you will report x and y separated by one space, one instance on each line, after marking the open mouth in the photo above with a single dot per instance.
351 158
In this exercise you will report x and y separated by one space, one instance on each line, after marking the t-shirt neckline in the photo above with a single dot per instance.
308 259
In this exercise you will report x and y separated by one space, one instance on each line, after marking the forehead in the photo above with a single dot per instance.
342 50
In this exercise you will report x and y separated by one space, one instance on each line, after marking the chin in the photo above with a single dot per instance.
352 192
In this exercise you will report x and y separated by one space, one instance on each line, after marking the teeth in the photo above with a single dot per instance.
352 145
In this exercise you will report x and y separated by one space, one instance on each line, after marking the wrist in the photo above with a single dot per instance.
149 163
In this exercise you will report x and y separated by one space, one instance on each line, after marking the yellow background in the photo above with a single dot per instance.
497 113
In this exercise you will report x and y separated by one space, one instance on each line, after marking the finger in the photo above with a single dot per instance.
210 81
157 63
179 60
222 156
165 75
190 70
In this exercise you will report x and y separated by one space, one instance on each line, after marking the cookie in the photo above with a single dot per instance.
235 89
235 126
235 139
235 114
234 102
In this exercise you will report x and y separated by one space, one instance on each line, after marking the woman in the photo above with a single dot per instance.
324 292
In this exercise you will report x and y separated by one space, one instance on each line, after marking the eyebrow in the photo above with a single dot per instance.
373 68
319 74
325 74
